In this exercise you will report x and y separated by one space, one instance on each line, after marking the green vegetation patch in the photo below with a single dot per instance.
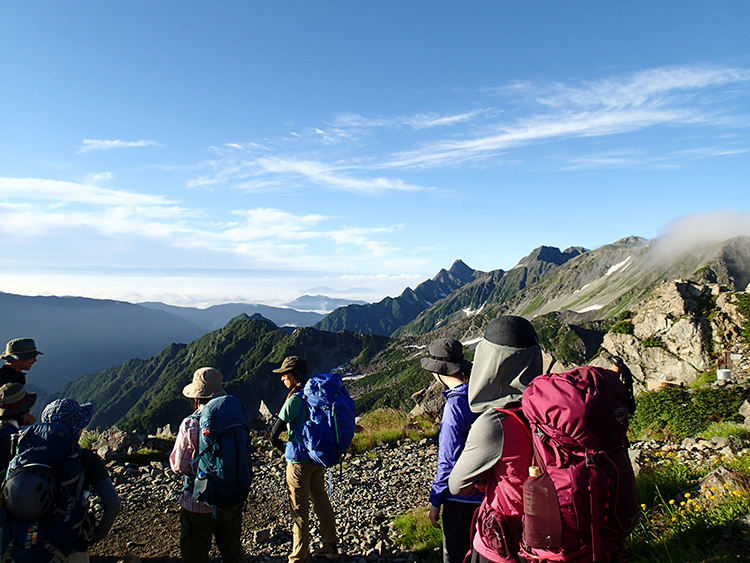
743 308
653 342
416 533
88 438
678 413
678 523
560 340
388 426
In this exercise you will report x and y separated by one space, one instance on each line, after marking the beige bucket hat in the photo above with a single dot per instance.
206 384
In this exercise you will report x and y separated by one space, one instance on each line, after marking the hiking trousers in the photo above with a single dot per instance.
457 519
198 529
306 481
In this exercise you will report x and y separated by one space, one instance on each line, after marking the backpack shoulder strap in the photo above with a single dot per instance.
518 415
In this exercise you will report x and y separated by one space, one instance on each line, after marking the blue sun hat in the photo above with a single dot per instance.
68 413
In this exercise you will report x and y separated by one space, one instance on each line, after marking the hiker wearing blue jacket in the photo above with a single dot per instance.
448 366
305 480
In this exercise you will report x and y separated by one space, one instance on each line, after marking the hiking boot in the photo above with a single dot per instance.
328 553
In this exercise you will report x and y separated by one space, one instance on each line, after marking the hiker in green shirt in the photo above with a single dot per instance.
304 479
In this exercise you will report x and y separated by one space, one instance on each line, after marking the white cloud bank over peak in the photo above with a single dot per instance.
701 229
89 145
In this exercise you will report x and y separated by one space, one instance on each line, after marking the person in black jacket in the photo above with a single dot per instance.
15 404
20 354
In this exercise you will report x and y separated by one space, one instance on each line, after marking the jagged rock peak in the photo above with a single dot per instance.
631 241
550 254
460 269
574 251
246 317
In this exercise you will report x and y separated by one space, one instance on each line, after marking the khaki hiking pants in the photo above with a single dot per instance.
306 481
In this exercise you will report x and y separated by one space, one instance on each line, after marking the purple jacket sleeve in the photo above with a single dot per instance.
454 428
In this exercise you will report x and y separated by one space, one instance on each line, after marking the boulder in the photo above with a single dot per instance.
116 443
429 402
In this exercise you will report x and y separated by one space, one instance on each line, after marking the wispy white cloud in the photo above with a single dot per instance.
668 96
110 221
660 86
426 121
333 177
105 145
41 189
538 114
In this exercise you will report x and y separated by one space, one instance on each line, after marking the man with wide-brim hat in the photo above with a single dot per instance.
15 404
199 522
20 354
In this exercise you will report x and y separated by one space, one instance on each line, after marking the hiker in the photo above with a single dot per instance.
498 453
448 366
199 522
20 354
305 479
76 417
15 404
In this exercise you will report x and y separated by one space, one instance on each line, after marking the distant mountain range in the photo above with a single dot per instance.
80 335
216 316
573 296
321 303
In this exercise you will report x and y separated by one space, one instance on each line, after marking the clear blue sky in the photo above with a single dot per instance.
204 152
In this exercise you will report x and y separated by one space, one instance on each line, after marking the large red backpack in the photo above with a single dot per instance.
578 422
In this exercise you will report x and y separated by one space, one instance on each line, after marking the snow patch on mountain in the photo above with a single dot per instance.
621 265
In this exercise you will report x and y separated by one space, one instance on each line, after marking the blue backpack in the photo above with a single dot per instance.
329 428
223 467
44 504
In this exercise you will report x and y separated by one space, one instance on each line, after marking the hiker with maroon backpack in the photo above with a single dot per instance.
554 467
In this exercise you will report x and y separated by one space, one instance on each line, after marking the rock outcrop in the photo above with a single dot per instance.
680 332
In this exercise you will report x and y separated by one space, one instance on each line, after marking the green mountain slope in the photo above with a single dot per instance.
147 394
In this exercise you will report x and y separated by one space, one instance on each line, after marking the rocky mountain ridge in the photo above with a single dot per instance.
389 314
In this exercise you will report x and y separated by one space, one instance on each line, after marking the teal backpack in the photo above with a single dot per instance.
223 467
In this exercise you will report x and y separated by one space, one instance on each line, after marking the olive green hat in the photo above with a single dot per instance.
20 349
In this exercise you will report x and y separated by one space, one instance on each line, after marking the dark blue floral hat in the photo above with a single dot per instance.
68 413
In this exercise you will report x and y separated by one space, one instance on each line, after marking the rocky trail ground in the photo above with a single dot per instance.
373 489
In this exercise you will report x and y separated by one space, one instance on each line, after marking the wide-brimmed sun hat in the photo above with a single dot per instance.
206 384
446 357
15 400
68 412
20 349
295 365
